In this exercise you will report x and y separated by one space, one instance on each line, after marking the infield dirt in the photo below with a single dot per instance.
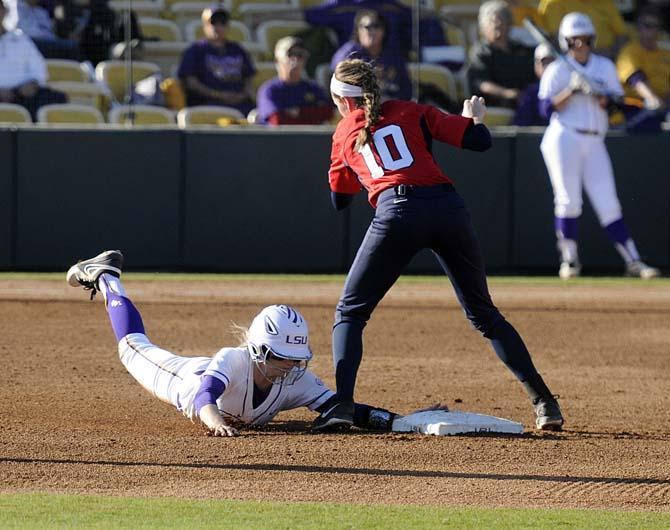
73 420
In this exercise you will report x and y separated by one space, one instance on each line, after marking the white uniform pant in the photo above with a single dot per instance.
575 160
160 372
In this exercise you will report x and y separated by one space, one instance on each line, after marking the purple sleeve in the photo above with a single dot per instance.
189 63
636 77
546 108
265 106
210 390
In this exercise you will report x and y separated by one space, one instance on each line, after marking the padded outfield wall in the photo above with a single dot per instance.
247 200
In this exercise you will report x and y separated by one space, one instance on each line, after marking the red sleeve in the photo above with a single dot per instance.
341 177
447 128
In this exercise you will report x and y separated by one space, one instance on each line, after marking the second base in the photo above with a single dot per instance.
441 423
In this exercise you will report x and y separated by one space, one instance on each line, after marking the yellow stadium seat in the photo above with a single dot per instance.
69 113
304 4
159 29
167 55
269 32
66 70
498 116
237 31
208 115
10 113
141 8
113 74
264 72
90 94
142 115
169 4
436 75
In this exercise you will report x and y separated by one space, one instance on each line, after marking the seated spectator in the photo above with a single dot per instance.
99 27
644 68
500 68
23 71
35 22
528 111
289 98
368 42
339 16
216 71
609 24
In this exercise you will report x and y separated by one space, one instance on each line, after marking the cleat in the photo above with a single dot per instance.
548 414
86 273
339 417
639 269
569 270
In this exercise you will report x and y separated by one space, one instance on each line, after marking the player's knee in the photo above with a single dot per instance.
608 216
344 314
568 210
485 321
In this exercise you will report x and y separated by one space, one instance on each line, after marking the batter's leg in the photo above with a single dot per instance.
562 153
460 256
601 189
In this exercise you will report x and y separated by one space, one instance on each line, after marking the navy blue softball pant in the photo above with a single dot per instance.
406 221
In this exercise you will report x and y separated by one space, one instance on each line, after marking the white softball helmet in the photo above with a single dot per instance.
574 25
281 332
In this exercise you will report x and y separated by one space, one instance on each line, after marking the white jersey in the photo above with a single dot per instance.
581 112
234 368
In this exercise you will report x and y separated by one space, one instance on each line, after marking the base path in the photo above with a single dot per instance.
73 420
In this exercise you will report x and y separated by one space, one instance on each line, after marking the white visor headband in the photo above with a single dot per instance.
341 89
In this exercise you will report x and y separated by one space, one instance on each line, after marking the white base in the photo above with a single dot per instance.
442 423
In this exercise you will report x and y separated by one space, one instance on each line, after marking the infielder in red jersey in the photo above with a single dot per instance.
386 149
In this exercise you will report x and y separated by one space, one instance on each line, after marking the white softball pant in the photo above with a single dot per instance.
160 372
575 160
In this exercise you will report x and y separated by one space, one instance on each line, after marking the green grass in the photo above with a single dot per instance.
41 511
339 278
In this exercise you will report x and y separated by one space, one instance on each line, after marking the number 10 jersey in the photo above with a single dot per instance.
400 151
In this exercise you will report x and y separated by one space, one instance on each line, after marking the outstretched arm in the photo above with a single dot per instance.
210 390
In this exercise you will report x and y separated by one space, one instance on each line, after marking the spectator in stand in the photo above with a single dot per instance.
663 8
35 22
339 16
528 111
216 71
289 98
500 68
643 67
23 71
609 24
368 43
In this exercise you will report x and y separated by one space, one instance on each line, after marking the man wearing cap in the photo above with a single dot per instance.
289 98
216 71
528 112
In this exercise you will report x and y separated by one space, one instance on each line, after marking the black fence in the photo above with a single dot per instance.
241 200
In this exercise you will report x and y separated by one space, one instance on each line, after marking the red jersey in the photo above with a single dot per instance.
399 151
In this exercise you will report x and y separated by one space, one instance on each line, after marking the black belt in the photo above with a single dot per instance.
403 190
587 131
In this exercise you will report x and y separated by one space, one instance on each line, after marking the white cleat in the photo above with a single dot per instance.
569 270
86 273
639 269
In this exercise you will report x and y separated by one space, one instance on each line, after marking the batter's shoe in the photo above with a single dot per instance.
86 273
548 415
639 269
569 269
339 417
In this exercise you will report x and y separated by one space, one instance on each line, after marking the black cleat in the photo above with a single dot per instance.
339 417
548 414
86 273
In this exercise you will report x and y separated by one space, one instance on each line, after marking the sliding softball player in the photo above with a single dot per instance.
246 385
576 92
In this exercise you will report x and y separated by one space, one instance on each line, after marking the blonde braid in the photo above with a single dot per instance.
362 74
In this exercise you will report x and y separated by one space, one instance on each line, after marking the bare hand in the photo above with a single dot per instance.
6 95
28 90
224 430
474 108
